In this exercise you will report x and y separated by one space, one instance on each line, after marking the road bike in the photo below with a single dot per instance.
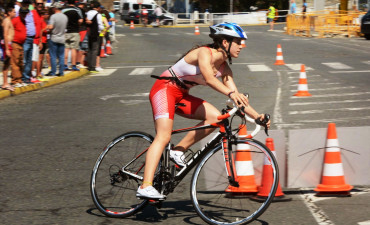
119 169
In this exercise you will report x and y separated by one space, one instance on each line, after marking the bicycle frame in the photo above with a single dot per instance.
224 135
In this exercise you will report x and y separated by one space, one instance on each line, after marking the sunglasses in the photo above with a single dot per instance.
39 3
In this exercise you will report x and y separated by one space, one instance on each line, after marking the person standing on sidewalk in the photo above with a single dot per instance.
75 18
33 31
271 17
7 45
20 36
95 25
57 24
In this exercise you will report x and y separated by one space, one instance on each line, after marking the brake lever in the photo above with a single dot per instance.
264 122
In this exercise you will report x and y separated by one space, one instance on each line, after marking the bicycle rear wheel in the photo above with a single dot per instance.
117 174
210 188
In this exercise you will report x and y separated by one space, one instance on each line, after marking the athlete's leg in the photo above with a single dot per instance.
163 128
206 112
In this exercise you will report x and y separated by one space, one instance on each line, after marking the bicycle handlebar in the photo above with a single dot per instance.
259 123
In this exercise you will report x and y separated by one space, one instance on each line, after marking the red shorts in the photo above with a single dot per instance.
165 94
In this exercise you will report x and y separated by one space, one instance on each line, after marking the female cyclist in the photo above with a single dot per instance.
201 65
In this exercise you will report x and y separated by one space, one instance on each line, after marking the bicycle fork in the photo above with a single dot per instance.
229 162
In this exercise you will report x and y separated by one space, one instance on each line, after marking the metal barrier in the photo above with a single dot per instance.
324 24
243 18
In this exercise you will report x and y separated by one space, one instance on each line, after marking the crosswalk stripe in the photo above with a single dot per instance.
366 62
328 102
142 71
337 65
323 110
259 68
327 89
335 95
297 66
105 72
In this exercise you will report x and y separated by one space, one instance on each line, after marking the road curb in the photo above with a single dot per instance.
52 81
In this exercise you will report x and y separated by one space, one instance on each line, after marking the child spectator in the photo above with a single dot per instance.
8 31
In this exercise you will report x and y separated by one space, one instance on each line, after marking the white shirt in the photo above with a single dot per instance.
90 15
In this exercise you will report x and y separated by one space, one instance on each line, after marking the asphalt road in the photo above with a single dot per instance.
51 138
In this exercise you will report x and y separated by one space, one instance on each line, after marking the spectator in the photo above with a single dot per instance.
20 36
94 22
144 13
304 7
17 6
37 43
271 16
8 31
33 31
293 7
158 14
44 41
112 23
72 42
57 24
83 38
103 33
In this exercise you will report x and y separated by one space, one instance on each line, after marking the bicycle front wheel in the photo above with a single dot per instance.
117 174
218 202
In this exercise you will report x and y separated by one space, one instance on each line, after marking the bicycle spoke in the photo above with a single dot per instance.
212 197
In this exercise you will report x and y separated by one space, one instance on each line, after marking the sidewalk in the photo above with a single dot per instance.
68 75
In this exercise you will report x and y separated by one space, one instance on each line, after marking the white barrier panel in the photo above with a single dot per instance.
306 170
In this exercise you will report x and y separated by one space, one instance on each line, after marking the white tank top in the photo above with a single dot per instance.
187 72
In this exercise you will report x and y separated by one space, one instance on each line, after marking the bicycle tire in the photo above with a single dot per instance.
114 192
209 183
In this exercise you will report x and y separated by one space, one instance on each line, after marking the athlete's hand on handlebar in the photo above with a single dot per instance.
264 120
240 99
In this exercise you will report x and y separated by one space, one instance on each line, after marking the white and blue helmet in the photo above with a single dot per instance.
227 29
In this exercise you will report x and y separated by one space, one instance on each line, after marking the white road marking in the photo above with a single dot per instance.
124 67
137 35
324 110
328 89
105 72
117 95
328 102
335 95
259 68
366 62
357 71
133 102
364 222
336 119
277 118
297 66
142 71
320 83
337 65
319 215
120 35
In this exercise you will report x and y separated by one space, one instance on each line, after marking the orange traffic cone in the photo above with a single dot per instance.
244 167
279 56
243 44
267 179
102 51
332 180
302 84
132 26
108 47
196 30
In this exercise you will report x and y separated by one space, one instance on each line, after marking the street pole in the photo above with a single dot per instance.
231 6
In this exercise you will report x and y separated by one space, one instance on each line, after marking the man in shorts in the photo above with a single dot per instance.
72 35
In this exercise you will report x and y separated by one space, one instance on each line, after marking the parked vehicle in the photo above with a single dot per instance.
130 10
116 6
365 25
